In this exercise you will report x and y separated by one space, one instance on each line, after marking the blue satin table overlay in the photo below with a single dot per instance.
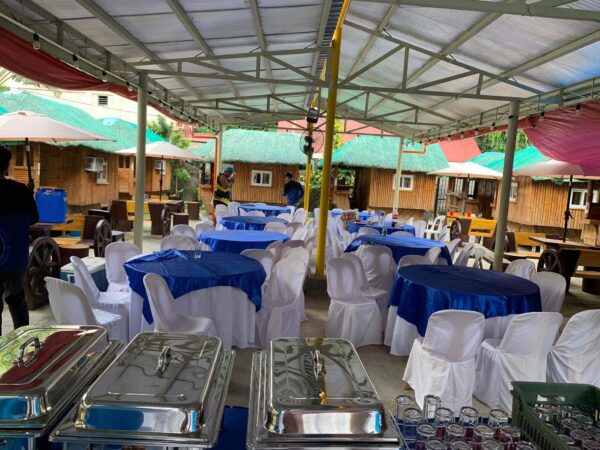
401 245
268 210
419 291
184 274
236 241
353 227
249 222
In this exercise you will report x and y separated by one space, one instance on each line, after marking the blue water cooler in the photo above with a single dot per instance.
52 204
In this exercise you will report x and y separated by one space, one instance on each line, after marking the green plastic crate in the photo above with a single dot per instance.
533 429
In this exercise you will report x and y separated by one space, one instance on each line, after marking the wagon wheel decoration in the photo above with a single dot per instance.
102 237
165 218
455 230
551 261
44 261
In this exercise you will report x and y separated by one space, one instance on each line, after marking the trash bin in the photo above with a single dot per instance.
52 204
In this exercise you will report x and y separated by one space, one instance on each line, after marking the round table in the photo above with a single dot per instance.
236 241
223 287
401 245
249 222
267 210
420 291
353 227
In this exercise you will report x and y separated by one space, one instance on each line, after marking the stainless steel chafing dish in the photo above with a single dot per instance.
163 390
315 392
43 370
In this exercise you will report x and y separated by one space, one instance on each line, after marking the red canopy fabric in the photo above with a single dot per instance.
19 57
460 151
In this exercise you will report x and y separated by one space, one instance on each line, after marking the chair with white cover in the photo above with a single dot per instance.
164 313
113 302
234 208
366 230
520 355
116 254
276 227
178 242
203 228
443 364
264 257
298 254
463 257
278 315
285 216
291 228
420 227
256 213
433 254
275 248
478 253
402 233
300 216
292 209
521 268
70 306
300 233
552 290
183 230
414 260
221 211
310 245
575 358
379 265
453 246
310 228
351 315
290 244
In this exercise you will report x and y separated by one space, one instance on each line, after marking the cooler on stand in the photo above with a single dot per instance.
52 204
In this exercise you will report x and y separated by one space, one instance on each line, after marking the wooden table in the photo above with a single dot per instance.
559 243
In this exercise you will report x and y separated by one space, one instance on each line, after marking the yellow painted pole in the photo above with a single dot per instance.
307 175
336 44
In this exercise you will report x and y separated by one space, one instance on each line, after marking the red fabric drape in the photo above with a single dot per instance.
18 56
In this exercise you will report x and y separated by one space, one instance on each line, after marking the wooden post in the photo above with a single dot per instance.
140 162
398 176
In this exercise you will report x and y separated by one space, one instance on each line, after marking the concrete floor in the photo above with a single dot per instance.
384 369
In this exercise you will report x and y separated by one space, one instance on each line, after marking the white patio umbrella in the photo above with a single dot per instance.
28 126
467 170
163 150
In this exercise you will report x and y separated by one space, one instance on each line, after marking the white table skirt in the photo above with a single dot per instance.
400 334
229 308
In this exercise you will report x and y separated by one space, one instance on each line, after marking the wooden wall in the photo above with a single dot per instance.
381 193
153 176
17 169
243 191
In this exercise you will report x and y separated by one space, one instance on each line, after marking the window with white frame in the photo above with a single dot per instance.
406 182
102 177
513 192
578 198
262 178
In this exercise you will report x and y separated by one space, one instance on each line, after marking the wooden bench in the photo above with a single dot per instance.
590 260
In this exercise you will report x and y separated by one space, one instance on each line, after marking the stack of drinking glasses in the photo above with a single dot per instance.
576 427
437 428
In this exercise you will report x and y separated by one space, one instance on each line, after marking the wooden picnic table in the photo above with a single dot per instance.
559 243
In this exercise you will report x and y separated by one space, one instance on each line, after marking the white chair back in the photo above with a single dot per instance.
401 233
286 282
454 335
203 227
275 248
581 334
220 212
256 213
452 246
242 212
296 253
366 230
463 257
300 233
68 303
300 216
162 303
537 330
359 271
521 268
420 227
414 260
438 222
433 254
552 290
378 263
117 253
293 243
276 227
310 228
341 279
265 257
178 242
84 280
292 228
285 216
443 234
234 208
183 230
478 253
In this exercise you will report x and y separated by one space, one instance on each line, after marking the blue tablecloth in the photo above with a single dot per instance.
355 226
419 291
236 241
268 210
401 245
364 215
184 274
249 222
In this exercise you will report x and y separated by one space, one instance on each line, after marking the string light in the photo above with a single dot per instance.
476 131
75 61
449 138
104 76
493 127
578 109
542 116
36 41
129 86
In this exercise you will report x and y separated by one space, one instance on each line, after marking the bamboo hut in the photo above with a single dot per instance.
260 160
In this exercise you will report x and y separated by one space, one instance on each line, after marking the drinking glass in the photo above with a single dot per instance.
567 440
569 425
496 420
569 411
443 417
525 445
454 432
434 444
579 436
412 419
403 402
468 418
197 253
430 405
590 445
460 445
481 433
425 432
509 435
584 420
492 444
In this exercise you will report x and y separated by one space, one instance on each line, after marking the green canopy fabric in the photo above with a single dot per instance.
251 146
127 131
382 153
523 158
487 158
2 110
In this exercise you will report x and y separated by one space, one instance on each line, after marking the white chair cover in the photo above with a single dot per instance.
552 290
115 256
402 233
293 243
220 212
285 216
311 228
178 242
521 268
463 257
275 248
351 315
183 230
366 230
300 233
520 356
265 257
453 246
300 216
203 227
278 316
433 254
575 358
410 220
242 212
291 228
444 363
276 227
234 208
420 227
413 260
298 254
256 213
379 265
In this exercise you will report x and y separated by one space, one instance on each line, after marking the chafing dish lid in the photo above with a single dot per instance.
160 383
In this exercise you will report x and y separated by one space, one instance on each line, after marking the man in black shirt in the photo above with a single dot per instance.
292 190
16 200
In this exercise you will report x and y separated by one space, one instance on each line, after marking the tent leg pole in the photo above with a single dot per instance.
307 175
509 156
398 176
162 161
140 162
567 210
217 165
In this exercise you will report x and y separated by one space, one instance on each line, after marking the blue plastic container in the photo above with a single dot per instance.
52 204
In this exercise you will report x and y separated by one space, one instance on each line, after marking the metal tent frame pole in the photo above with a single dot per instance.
398 176
160 187
140 162
567 209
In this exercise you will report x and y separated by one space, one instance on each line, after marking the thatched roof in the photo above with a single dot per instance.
250 146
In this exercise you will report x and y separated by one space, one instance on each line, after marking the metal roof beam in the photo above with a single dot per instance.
372 64
261 37
248 97
319 43
238 77
414 91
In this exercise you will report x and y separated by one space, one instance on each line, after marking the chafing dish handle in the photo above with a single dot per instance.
318 363
163 360
36 350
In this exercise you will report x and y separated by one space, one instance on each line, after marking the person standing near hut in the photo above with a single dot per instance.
225 180
292 190
17 203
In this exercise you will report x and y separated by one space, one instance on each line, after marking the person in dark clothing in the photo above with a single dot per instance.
17 200
292 190
225 180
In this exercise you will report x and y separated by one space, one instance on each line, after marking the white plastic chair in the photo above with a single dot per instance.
113 302
115 256
178 242
478 253
220 212
256 213
291 228
432 231
443 233
183 230
521 268
463 257
402 233
366 230
351 315
264 257
285 216
575 358
70 307
276 227
300 216
433 254
234 208
279 315
443 364
520 355
453 246
203 228
164 312
420 227
414 260
552 290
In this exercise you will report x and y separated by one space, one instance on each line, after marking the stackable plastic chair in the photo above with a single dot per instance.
478 253
115 256
433 254
420 227
300 216
552 290
443 233
366 230
265 257
351 315
521 268
414 260
520 355
575 358
183 230
71 307
444 363
285 216
178 242
164 313
203 227
436 227
276 227
453 246
463 257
